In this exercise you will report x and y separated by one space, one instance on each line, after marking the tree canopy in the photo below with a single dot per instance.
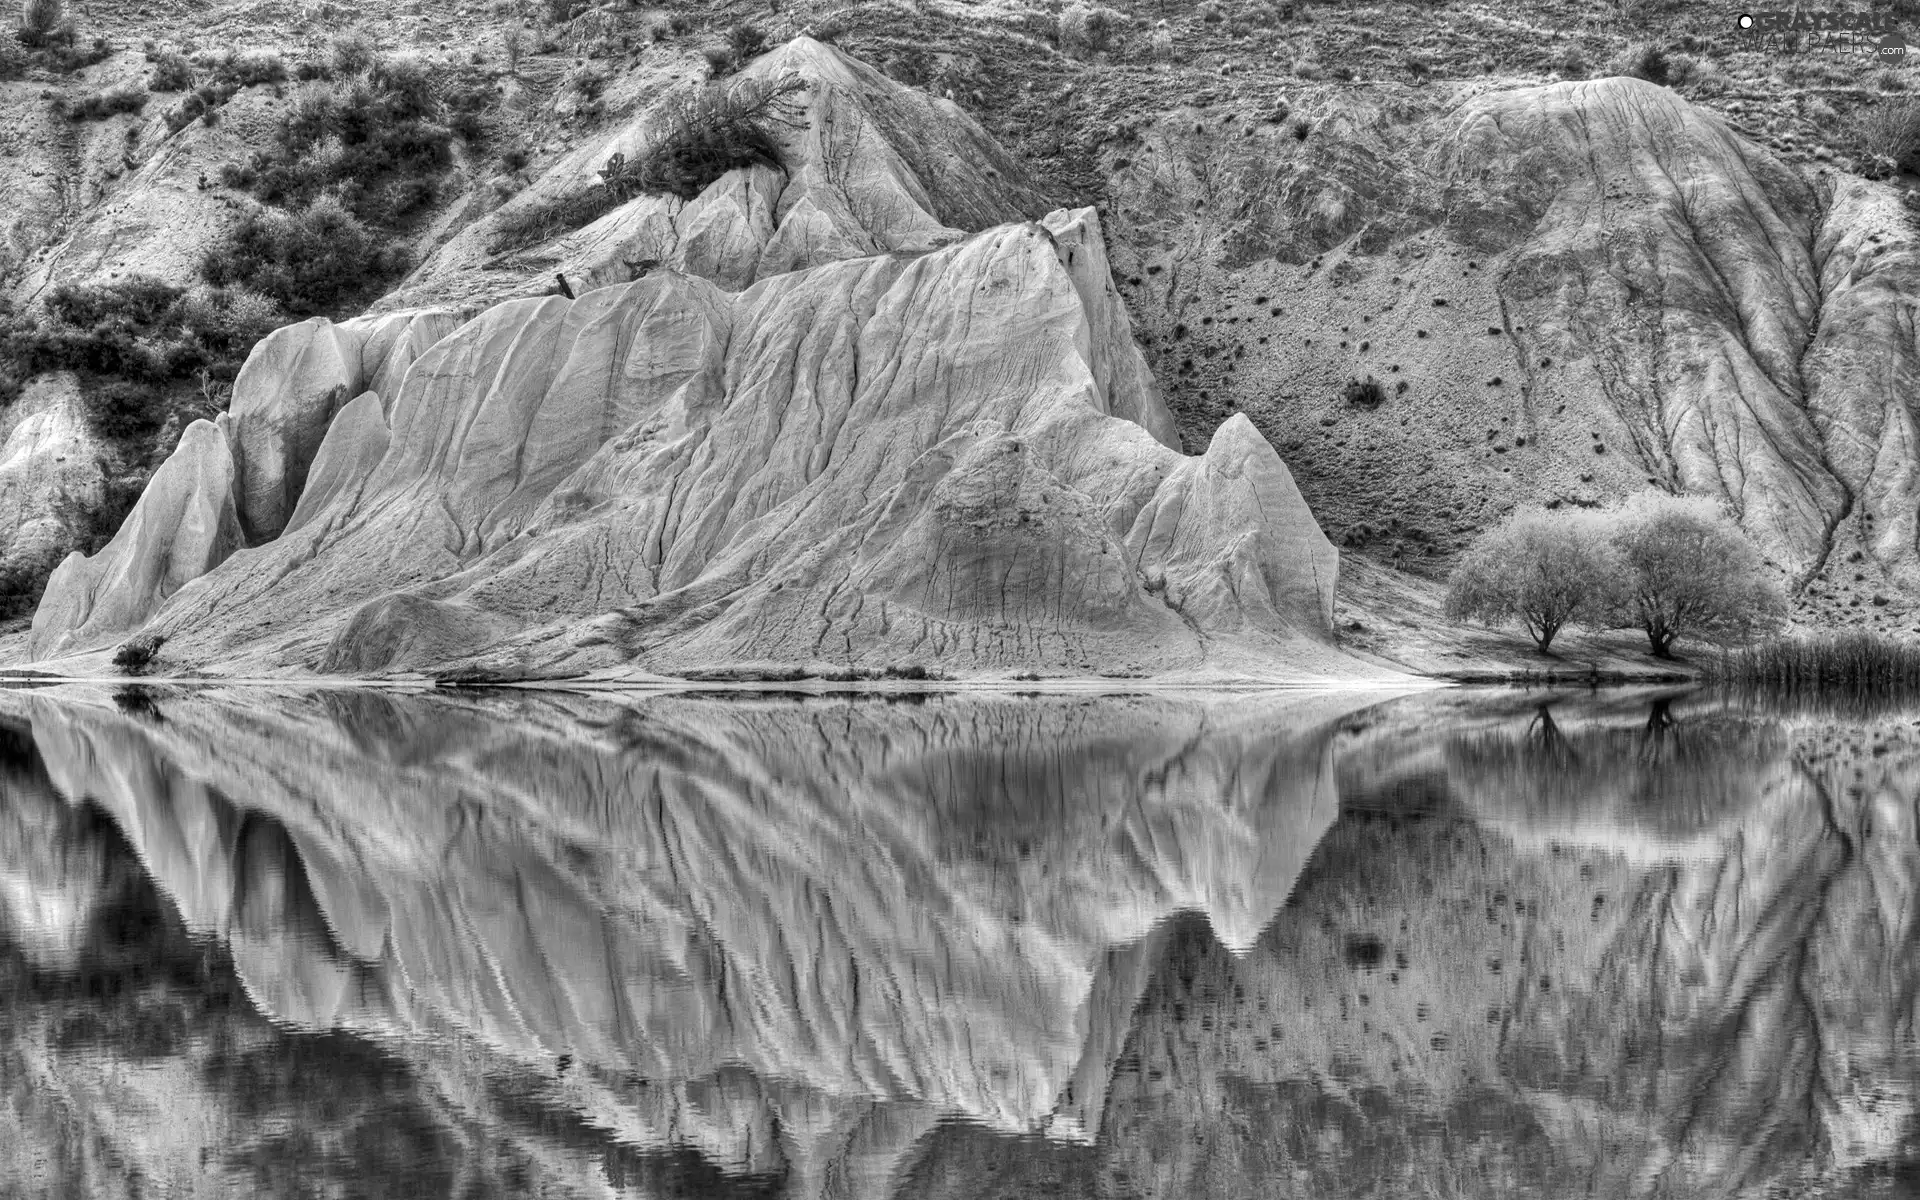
1543 569
1670 566
1690 572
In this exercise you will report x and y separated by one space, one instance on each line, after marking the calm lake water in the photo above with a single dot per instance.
1443 945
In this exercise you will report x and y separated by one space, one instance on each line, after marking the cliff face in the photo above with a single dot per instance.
808 930
949 456
1565 292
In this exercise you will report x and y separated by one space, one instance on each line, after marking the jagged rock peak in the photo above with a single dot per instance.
867 166
956 458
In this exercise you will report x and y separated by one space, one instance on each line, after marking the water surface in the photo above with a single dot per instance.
1450 944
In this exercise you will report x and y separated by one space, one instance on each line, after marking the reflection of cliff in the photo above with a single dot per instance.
786 936
1645 950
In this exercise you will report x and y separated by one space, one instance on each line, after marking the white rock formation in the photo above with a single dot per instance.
184 526
50 473
833 431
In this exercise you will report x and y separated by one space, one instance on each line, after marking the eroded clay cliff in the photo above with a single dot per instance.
929 449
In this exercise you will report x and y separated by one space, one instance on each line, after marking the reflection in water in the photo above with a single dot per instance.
1444 945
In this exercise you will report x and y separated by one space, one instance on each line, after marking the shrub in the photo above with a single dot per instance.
513 40
743 44
372 141
171 72
465 110
126 410
1645 60
1885 136
1364 393
1689 571
830 28
184 113
311 260
912 66
238 69
133 338
137 653
42 22
696 140
1543 569
98 106
353 53
1085 30
140 301
706 134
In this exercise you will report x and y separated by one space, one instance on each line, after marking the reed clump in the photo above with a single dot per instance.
1857 660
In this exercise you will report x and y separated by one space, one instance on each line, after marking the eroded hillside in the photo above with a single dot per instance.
1457 278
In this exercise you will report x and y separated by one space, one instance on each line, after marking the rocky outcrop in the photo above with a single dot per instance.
832 430
1565 292
284 406
946 458
866 167
292 386
815 930
50 475
184 525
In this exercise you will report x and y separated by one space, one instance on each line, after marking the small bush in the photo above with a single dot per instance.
42 22
743 44
513 40
312 260
830 28
1885 136
142 334
98 106
184 113
1085 30
137 653
1364 393
699 138
466 108
353 53
912 66
171 72
126 410
373 141
1645 60
708 133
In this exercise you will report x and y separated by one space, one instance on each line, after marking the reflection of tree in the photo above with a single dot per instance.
1545 736
1654 773
1658 741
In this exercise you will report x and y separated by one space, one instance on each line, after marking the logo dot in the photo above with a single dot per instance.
1746 21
